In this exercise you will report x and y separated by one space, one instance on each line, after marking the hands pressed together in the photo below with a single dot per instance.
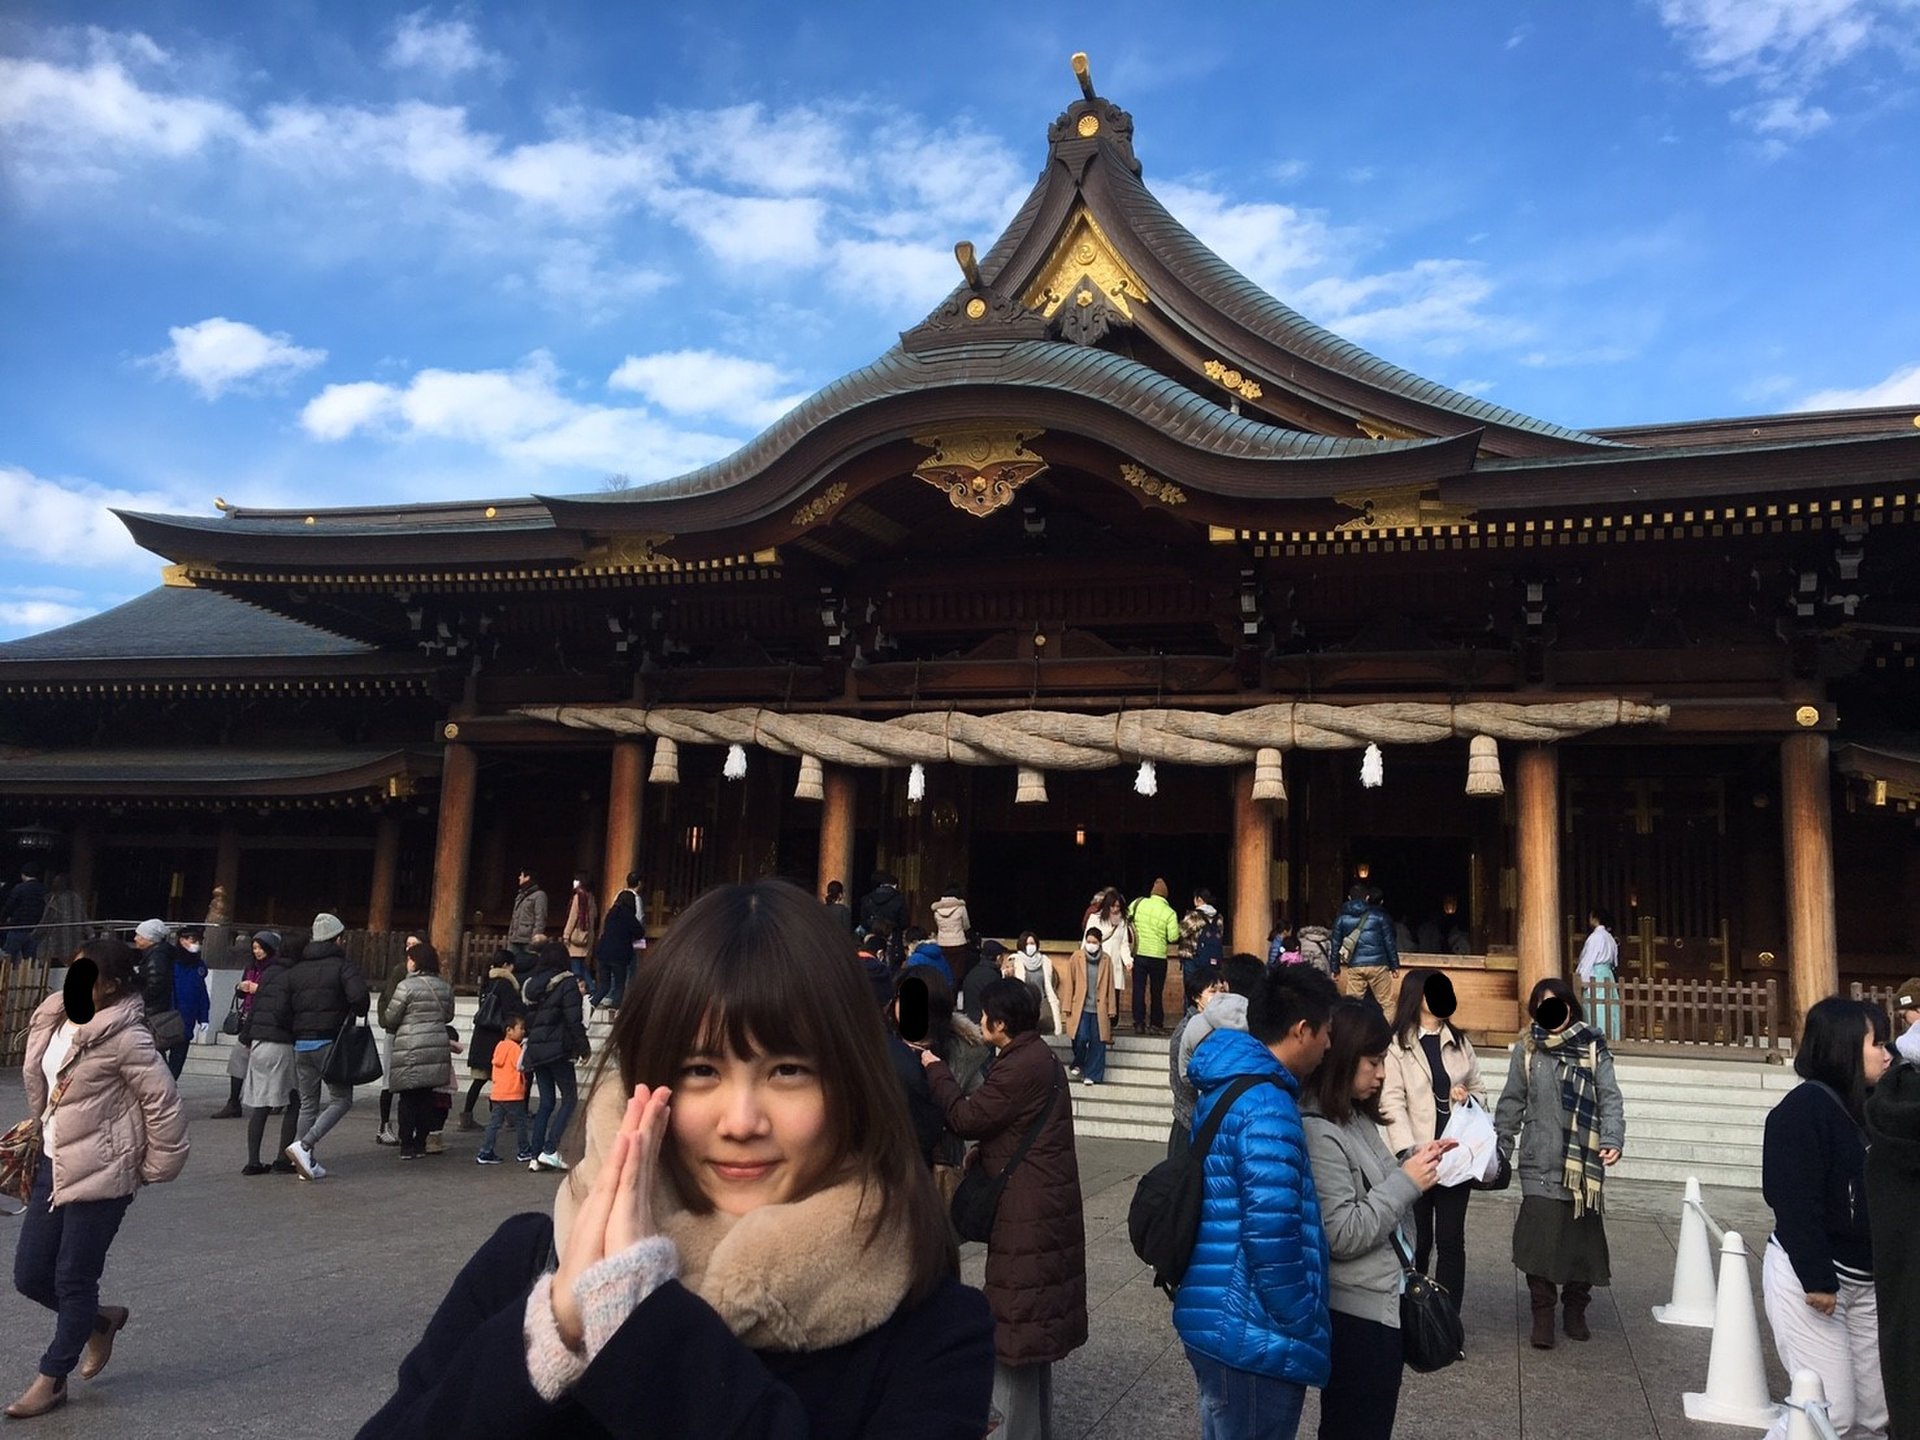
618 1211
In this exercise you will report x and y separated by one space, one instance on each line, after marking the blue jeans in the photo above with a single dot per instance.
1240 1405
555 1080
1089 1050
613 982
497 1115
58 1263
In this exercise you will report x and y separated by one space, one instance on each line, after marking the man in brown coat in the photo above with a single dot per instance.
1037 1256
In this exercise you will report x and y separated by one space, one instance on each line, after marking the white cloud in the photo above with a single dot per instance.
52 109
576 274
1273 245
217 354
704 382
339 410
1902 387
1433 302
68 521
32 616
1784 117
443 48
752 230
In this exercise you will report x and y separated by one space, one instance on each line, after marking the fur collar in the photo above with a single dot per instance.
792 1277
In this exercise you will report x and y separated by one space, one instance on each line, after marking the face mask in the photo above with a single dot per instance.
192 947
1032 949
1093 947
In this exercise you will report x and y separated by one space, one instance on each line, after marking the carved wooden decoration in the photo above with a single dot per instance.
1085 253
980 469
1406 508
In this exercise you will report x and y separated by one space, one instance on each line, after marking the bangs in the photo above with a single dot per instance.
752 1017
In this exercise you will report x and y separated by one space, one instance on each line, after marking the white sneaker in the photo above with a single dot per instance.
386 1136
302 1159
534 1164
551 1161
319 1171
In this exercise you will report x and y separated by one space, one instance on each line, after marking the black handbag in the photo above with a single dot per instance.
1502 1178
977 1199
236 1012
169 1029
1431 1337
354 1056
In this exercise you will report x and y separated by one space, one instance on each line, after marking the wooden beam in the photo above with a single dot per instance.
1806 818
386 872
459 779
1250 911
836 831
226 862
1537 807
626 805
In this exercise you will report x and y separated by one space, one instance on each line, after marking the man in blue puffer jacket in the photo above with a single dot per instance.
1252 1308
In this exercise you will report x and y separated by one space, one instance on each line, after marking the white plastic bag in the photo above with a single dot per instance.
1476 1151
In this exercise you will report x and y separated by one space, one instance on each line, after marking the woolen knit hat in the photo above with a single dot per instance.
1907 997
1160 888
152 931
327 927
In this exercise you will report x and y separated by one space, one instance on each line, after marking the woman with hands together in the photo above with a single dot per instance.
750 1246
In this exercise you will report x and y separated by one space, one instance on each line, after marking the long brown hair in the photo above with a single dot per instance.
764 969
1358 1028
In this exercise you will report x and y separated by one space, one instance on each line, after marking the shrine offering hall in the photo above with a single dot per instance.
1110 520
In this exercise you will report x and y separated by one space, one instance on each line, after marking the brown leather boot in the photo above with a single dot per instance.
44 1394
1573 1298
1542 1293
109 1322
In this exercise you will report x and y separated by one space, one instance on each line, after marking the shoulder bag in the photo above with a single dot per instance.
354 1056
236 1012
169 1029
1431 1336
977 1199
20 1150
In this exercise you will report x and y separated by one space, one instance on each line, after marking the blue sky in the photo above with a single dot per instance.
300 254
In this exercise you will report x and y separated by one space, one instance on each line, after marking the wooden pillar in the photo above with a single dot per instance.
626 802
459 779
836 832
386 873
1537 858
1250 910
1806 817
226 863
80 865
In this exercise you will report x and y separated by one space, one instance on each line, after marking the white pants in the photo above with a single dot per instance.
1843 1348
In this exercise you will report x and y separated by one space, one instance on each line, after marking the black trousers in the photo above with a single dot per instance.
1443 1209
1149 979
416 1116
1363 1391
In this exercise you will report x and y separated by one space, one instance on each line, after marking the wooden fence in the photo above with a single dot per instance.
23 985
1881 995
1653 1016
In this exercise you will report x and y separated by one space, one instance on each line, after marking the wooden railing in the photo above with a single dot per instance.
1652 1016
1881 995
23 985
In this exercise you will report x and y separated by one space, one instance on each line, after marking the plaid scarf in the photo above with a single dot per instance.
1575 1052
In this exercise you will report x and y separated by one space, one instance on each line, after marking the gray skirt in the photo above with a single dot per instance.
269 1075
1550 1243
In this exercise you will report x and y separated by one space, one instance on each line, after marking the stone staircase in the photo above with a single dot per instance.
1702 1118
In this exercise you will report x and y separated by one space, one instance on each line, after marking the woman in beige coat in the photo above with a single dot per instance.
1416 1100
117 1125
1089 1004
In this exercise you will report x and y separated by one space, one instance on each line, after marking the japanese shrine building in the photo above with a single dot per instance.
1108 503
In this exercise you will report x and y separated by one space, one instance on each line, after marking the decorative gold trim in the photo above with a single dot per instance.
976 308
628 549
1405 508
1165 491
175 577
820 504
450 731
1385 430
1083 252
1088 126
1807 716
981 469
1228 378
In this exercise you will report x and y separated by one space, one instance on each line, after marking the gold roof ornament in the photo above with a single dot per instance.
1084 252
1408 507
981 469
1083 72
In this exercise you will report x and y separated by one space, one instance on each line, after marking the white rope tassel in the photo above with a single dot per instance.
666 763
736 766
1483 767
813 780
1031 787
1373 768
1146 782
1269 779
917 782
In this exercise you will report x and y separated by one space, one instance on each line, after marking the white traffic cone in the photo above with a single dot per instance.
1693 1296
1736 1392
1806 1387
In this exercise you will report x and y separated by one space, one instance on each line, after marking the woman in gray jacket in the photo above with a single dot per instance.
1365 1199
417 1015
1564 1106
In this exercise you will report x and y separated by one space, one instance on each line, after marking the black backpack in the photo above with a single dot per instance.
1164 1219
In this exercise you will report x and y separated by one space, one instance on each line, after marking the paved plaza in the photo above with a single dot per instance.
271 1307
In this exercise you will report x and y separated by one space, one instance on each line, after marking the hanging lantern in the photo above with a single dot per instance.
1373 768
813 780
1483 767
917 782
1031 787
1146 782
666 763
1269 778
736 766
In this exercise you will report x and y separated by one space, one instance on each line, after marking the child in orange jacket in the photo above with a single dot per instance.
509 1097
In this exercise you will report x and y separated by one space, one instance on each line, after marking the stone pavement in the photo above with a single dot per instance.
270 1307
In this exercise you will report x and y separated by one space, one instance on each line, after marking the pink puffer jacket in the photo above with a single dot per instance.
120 1124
